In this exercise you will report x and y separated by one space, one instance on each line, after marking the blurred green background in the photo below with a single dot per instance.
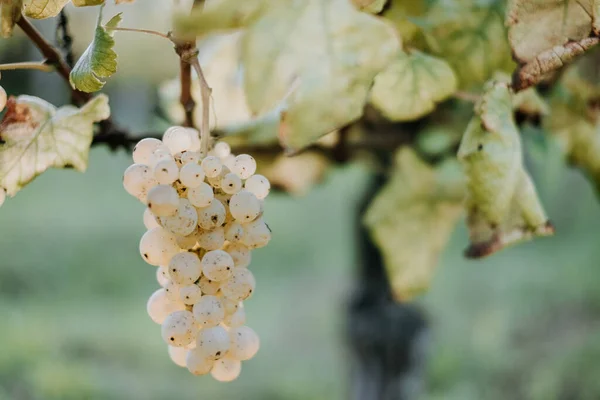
523 324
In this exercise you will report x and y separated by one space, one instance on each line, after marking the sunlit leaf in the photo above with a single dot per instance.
412 217
401 15
10 12
502 203
99 61
40 9
295 175
330 49
412 85
471 37
35 136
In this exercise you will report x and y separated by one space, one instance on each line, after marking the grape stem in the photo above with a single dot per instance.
40 66
205 92
146 31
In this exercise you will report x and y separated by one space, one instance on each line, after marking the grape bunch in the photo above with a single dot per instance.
204 215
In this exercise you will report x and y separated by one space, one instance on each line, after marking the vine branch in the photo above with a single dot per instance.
35 65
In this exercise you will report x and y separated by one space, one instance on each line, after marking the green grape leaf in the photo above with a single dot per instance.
35 136
10 12
412 217
99 61
402 15
40 9
370 6
502 204
327 48
412 85
471 37
536 26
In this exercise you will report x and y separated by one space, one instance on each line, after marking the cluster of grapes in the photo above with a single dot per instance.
203 215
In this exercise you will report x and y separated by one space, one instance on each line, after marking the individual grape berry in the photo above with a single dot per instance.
162 276
212 166
244 206
237 319
201 196
258 185
178 329
230 306
163 200
184 222
212 240
212 216
226 369
240 254
157 246
229 161
231 183
172 291
208 311
188 242
178 355
178 139
256 234
240 285
217 265
234 231
142 152
190 294
187 157
244 343
208 286
222 150
185 268
3 98
161 154
197 363
166 172
244 166
191 175
150 220
138 180
212 343
159 306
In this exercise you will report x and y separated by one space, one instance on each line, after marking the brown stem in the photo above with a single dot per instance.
52 55
186 99
205 92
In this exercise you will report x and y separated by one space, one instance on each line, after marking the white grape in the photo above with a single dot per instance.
195 136
190 294
188 242
138 180
222 149
2 191
166 172
191 175
226 369
157 246
229 161
217 265
162 276
231 183
142 152
161 154
184 222
163 200
212 240
178 139
185 268
172 291
212 343
234 231
197 363
201 196
258 185
244 343
178 355
178 329
208 311
212 166
149 219
190 157
212 216
236 319
244 166
256 234
240 285
230 306
159 306
241 255
215 181
208 286
244 206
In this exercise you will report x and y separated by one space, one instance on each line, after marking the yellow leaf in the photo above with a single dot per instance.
10 12
40 9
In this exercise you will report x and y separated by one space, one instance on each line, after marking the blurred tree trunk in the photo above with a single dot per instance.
387 339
